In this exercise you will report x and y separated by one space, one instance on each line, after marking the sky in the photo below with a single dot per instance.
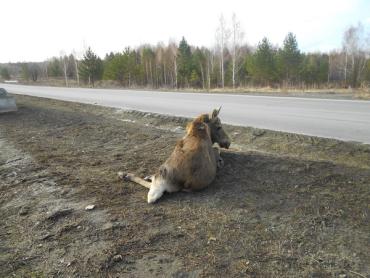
40 29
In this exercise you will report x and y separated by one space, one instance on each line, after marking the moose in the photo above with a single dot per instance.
193 164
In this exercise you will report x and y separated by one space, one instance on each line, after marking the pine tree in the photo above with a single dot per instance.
289 59
4 73
114 67
91 67
262 65
55 68
367 72
199 67
25 72
184 63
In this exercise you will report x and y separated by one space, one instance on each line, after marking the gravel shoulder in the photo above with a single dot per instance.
284 205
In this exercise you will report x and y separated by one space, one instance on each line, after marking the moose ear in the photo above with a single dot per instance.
216 112
204 118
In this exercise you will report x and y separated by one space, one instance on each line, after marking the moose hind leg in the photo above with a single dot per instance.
156 191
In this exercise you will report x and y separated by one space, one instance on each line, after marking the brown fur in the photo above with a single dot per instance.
218 135
193 163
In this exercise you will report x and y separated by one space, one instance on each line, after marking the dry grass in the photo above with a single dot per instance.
361 93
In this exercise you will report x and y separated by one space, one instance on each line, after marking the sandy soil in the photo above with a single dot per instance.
284 205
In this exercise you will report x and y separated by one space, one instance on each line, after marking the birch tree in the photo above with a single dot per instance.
237 40
160 65
209 60
222 36
63 58
173 50
76 57
171 64
355 46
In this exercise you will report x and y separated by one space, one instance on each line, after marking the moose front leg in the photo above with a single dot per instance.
219 160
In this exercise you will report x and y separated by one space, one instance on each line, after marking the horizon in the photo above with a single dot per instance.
55 28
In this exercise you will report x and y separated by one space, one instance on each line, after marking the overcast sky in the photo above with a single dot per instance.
39 29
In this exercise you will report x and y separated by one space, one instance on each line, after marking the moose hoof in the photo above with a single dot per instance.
123 176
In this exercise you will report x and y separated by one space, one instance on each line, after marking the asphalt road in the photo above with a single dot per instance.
347 120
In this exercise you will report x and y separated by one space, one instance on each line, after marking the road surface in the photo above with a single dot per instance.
347 120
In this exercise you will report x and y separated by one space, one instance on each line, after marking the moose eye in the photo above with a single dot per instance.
218 128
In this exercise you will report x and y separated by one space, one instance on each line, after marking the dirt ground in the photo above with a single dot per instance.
284 205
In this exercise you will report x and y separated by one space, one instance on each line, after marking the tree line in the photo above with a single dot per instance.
230 63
